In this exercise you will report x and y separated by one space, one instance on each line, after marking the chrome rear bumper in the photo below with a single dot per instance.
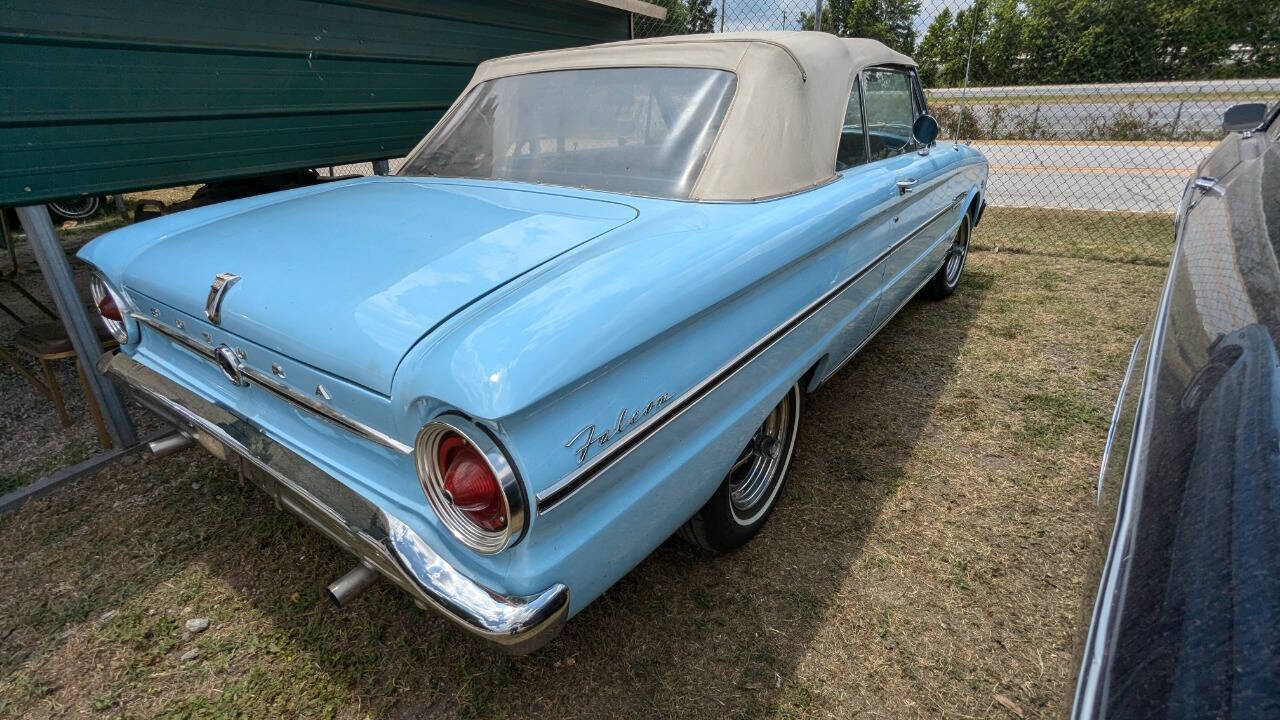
516 624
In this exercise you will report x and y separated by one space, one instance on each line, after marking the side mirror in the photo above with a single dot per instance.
1244 117
925 130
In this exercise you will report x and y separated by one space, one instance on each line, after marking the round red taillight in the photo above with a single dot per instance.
108 309
470 485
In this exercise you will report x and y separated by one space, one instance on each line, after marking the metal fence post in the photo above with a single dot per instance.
381 167
57 272
817 16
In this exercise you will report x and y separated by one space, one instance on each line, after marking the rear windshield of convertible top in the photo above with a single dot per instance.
640 131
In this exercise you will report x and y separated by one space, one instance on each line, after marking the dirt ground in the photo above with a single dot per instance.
928 558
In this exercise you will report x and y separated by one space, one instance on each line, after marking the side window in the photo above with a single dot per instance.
890 112
853 138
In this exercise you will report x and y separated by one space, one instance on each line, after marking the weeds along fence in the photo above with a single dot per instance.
1092 115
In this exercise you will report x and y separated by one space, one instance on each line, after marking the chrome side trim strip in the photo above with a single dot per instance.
1108 603
268 383
1115 419
578 478
883 324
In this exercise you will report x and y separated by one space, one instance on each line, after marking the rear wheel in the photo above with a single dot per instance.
748 494
944 282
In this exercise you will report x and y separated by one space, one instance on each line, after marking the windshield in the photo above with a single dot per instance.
641 131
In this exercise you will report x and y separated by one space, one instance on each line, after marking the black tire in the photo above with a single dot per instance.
748 494
77 208
945 281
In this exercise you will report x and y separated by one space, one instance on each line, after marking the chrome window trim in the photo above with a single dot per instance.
268 383
500 465
570 484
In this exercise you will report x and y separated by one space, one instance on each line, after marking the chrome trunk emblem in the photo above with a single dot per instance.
213 304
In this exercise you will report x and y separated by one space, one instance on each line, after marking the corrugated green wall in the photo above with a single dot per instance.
113 95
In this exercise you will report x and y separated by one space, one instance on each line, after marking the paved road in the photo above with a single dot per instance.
1264 86
1141 177
1190 109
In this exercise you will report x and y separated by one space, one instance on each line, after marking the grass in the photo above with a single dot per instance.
929 553
1127 237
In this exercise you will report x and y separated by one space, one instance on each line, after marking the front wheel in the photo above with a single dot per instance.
748 494
944 282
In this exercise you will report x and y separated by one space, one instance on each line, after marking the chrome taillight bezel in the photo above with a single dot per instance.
431 478
100 288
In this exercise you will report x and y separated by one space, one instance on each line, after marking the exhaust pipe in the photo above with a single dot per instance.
345 588
169 444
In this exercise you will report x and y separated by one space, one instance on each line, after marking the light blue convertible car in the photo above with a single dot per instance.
582 317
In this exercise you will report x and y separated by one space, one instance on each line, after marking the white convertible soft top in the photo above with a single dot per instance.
782 128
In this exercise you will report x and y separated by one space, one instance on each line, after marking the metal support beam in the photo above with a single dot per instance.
381 167
57 272
64 476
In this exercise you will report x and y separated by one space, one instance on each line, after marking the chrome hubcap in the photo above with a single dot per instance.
956 254
755 474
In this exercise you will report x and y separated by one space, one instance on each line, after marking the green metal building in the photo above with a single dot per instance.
102 96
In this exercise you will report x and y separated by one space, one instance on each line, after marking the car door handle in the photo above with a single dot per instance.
906 185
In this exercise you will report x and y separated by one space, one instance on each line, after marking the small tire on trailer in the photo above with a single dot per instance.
76 208
748 494
944 282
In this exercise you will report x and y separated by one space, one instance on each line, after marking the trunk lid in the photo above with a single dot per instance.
348 277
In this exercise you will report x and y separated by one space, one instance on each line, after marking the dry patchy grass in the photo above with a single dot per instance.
1128 237
928 554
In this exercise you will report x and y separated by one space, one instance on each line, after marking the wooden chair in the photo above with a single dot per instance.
47 342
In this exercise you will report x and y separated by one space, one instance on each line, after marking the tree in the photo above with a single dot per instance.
1085 41
1218 38
889 21
702 17
676 22
994 28
936 50
1003 45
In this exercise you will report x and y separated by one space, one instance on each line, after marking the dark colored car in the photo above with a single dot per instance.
1186 621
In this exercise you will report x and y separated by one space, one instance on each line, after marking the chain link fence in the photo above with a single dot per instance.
1093 115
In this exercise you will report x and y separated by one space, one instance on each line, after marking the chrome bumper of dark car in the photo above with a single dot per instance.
517 624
